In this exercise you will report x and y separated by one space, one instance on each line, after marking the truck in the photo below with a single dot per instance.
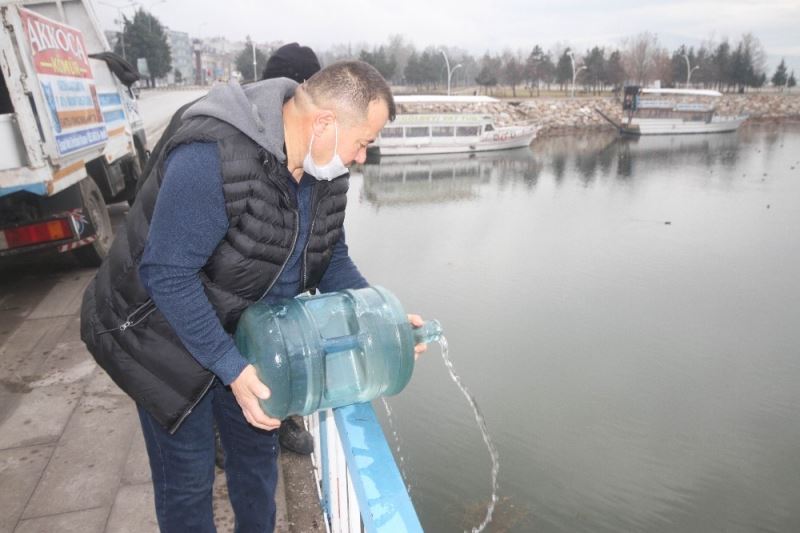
71 137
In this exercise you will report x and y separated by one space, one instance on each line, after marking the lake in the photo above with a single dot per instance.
626 313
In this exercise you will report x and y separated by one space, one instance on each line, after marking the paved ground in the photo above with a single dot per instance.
72 456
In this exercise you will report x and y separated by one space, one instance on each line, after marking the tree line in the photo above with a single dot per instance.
724 65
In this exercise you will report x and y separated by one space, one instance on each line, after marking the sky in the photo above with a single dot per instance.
488 25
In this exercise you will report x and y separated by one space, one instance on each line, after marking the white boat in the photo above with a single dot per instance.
673 111
443 133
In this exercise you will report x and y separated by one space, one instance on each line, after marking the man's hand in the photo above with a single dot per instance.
247 389
417 322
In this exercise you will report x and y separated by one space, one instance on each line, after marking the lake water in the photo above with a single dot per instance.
625 312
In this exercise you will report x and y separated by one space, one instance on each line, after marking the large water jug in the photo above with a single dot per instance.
329 350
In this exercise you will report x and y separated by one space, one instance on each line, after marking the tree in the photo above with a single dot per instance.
792 81
144 37
534 67
721 64
564 69
244 62
378 58
779 78
615 71
595 63
513 73
639 56
413 72
178 76
489 73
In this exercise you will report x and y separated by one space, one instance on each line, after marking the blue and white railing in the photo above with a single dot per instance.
361 486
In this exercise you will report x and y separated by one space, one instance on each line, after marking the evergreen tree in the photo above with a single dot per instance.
615 70
564 70
411 72
779 78
513 74
792 81
489 73
379 59
144 37
244 62
595 62
534 67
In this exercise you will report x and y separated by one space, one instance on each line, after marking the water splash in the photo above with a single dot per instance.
396 439
484 432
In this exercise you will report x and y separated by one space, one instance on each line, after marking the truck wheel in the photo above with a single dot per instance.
95 208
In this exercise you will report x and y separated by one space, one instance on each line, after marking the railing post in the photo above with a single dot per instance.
359 479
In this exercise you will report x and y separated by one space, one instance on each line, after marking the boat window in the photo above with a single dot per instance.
418 131
468 131
488 127
443 131
392 131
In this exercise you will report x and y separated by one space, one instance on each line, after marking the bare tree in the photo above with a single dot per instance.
639 56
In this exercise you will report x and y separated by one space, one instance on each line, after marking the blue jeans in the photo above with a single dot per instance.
182 466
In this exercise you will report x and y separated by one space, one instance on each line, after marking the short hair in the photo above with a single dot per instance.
352 85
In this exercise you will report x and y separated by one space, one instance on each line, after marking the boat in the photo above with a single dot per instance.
672 111
446 132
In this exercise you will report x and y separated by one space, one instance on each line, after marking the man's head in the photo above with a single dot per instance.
291 61
344 107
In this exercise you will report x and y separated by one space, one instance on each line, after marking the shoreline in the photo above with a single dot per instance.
561 116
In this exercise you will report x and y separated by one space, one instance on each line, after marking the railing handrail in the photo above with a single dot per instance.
358 473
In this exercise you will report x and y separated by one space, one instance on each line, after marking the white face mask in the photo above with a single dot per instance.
333 169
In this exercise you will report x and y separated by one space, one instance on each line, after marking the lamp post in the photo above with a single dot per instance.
574 72
121 21
449 71
689 70
255 74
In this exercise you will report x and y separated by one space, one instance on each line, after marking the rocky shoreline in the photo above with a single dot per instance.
563 115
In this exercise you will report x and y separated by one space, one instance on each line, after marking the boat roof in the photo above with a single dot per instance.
685 92
433 119
442 99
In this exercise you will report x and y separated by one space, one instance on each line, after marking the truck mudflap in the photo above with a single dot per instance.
63 231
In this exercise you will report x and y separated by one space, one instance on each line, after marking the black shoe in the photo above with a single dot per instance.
294 437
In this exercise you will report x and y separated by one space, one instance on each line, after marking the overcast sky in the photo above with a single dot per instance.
492 25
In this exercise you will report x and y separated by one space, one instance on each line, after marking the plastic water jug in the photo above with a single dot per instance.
329 350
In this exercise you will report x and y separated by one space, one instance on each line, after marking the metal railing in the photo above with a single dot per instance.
361 488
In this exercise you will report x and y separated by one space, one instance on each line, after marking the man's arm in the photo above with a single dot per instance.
341 273
188 223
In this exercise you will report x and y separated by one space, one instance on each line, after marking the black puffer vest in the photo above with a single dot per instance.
128 335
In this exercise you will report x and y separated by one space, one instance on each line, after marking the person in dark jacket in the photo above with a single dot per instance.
297 63
245 202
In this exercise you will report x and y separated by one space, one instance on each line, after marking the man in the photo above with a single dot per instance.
297 63
229 215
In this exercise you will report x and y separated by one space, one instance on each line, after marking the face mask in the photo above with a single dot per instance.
333 169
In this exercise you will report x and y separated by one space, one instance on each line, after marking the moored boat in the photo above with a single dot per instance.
673 111
445 132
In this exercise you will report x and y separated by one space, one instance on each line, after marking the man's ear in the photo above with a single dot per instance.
322 120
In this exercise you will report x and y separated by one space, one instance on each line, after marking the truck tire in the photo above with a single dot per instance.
91 255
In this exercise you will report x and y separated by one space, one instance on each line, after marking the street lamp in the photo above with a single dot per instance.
449 71
121 21
255 74
689 70
574 72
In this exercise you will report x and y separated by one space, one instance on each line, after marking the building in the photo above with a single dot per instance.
180 47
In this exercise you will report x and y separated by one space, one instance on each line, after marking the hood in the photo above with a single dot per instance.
255 109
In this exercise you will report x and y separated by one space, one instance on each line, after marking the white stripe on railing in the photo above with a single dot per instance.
361 488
